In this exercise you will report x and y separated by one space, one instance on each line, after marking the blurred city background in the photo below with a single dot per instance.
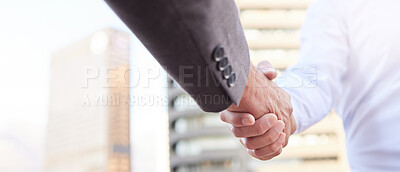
81 93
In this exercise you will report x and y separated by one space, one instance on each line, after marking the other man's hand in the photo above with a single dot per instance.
262 137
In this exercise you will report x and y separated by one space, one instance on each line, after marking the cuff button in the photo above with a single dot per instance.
222 64
232 80
227 72
219 53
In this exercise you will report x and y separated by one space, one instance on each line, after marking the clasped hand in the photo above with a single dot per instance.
263 120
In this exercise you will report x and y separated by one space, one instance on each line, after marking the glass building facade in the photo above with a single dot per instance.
88 124
199 141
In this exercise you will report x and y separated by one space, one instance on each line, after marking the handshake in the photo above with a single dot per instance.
263 120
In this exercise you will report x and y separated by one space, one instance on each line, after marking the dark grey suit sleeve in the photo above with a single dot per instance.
199 42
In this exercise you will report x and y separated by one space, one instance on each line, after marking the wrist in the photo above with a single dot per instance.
254 93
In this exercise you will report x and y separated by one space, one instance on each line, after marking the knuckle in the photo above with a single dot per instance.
249 144
236 132
275 147
259 152
270 138
259 128
286 143
279 152
289 108
262 158
265 158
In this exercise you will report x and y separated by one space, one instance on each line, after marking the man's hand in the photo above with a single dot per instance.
253 119
263 138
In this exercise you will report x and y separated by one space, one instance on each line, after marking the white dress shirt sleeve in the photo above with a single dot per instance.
314 81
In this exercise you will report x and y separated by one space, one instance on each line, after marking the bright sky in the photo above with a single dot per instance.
30 31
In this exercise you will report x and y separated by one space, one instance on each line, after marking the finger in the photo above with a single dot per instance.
261 126
264 158
291 129
237 119
267 69
268 157
287 133
270 149
267 138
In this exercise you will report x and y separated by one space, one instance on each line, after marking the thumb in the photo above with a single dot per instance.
267 69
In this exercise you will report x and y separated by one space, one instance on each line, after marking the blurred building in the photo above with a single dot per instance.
88 124
272 29
199 142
